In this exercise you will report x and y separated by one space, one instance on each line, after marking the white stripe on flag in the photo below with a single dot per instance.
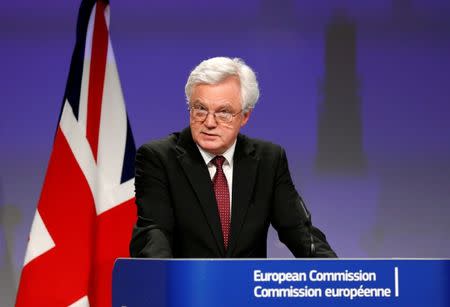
113 127
82 111
40 239
82 302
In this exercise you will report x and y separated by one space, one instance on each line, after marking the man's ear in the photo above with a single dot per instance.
246 117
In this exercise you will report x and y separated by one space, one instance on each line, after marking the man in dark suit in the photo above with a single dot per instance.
210 192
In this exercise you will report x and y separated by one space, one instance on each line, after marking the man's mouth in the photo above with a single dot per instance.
209 134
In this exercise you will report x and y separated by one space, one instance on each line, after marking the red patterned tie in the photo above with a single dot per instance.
222 197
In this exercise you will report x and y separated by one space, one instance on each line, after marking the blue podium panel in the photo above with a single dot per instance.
297 282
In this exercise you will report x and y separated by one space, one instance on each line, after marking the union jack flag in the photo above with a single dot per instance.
86 210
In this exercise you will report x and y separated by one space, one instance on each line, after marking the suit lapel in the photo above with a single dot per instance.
244 174
197 172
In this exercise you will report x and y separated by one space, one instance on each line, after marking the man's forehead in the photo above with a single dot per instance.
227 92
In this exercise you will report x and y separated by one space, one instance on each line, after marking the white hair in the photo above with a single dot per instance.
215 70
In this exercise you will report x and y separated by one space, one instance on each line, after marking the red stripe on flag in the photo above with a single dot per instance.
97 77
113 234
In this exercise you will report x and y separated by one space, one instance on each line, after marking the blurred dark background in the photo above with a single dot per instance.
356 91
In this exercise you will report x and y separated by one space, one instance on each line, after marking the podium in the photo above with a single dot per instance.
293 282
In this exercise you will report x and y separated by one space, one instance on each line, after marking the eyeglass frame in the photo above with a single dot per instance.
207 112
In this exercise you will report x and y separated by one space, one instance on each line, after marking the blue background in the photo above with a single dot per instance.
395 204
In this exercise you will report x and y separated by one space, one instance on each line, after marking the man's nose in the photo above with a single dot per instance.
210 120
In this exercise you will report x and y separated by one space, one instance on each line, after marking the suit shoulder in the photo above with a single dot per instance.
163 145
262 145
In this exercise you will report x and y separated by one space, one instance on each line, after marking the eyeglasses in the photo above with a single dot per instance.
200 114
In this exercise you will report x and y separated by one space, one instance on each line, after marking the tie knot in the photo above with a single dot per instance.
218 161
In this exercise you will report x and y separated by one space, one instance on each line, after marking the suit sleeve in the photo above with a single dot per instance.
152 234
292 220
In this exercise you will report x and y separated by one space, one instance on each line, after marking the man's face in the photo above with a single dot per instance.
212 136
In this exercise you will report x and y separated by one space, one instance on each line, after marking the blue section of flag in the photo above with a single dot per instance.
73 86
129 157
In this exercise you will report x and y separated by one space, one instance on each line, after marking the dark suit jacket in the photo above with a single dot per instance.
177 210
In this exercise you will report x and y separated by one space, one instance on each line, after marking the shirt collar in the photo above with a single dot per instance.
228 154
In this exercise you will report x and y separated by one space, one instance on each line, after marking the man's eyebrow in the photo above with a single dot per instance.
227 106
197 102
